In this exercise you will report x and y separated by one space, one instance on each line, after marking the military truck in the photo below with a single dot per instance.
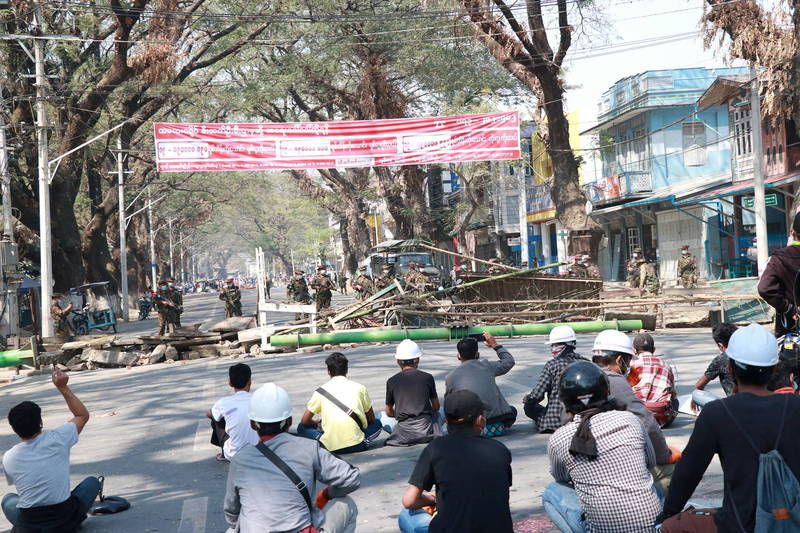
399 253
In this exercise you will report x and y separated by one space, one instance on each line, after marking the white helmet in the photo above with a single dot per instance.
561 334
270 403
407 350
753 346
613 341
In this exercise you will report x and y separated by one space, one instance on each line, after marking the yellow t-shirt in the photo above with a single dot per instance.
339 430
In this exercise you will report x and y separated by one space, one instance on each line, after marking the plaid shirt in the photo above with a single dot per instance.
616 489
656 379
553 416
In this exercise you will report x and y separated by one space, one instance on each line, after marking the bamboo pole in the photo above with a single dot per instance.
491 278
469 258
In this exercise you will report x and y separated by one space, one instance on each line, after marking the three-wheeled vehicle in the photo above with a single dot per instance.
95 311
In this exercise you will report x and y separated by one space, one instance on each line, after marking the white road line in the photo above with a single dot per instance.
193 515
201 435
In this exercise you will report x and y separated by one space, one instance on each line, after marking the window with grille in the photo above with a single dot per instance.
694 144
743 132
633 240
512 210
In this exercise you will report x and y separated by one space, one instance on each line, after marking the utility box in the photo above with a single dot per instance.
10 278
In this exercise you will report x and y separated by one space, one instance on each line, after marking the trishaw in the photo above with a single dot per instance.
95 311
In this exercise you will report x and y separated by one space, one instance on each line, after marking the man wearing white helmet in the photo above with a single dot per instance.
562 343
271 485
750 422
412 405
613 352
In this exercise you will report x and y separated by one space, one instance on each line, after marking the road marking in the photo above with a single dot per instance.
201 435
193 515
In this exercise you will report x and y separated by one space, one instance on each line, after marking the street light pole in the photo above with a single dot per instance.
5 177
152 238
123 245
45 244
171 262
759 201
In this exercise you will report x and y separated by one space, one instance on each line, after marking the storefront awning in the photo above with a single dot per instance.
740 187
668 194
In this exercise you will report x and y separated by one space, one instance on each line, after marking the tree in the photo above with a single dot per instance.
518 39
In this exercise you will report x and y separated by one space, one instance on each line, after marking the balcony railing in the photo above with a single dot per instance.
631 184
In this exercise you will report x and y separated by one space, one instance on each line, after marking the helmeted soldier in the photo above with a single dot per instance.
632 268
164 306
323 285
298 288
342 281
578 268
648 279
176 295
496 267
415 280
687 268
363 284
59 315
233 298
386 278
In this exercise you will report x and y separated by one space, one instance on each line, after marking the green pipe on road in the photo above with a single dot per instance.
429 334
16 357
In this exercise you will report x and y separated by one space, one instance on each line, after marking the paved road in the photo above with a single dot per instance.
148 436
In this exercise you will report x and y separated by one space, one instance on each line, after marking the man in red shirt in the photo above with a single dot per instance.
653 381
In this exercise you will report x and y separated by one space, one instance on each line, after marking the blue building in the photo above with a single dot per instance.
658 147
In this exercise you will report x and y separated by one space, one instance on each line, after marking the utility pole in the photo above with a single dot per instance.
152 238
523 221
123 245
759 203
10 282
5 177
171 262
45 238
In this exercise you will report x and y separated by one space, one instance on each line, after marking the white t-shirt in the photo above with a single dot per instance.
39 468
237 422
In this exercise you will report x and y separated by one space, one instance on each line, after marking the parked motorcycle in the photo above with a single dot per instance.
145 306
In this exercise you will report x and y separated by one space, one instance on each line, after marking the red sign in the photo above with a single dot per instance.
348 144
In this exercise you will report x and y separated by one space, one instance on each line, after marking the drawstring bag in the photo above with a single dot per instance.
777 488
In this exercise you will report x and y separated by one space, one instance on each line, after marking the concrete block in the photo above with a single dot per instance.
111 357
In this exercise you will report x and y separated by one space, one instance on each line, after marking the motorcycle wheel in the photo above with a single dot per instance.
81 329
105 328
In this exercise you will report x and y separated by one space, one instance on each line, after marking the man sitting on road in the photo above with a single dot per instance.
347 419
472 477
653 381
562 343
599 461
412 405
718 368
613 352
739 428
478 375
271 485
39 469
230 426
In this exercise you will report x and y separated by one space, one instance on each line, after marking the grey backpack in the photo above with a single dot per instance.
777 489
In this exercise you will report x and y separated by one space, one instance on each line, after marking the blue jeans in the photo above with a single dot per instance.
414 521
371 433
563 508
86 492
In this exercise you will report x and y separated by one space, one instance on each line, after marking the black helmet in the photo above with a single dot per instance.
583 385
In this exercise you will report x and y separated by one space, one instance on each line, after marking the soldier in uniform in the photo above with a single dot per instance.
415 280
342 281
633 268
386 278
164 306
59 316
232 296
323 285
298 288
268 286
578 268
363 284
649 283
687 268
591 268
177 298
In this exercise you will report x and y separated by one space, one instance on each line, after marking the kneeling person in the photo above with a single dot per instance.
347 419
412 405
270 485
472 476
600 461
39 469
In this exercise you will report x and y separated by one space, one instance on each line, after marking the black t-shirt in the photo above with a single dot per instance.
472 476
410 392
716 433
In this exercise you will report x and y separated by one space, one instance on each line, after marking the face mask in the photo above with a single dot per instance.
557 349
624 367
684 252
635 255
323 272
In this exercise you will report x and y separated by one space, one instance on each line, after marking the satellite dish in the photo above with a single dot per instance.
588 208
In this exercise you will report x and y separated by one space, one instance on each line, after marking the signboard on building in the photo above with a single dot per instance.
769 200
343 144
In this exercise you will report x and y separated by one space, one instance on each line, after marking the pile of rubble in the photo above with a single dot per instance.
114 351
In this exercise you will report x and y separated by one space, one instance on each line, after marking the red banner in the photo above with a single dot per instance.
347 144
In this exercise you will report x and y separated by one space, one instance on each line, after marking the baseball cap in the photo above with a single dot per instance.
462 406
